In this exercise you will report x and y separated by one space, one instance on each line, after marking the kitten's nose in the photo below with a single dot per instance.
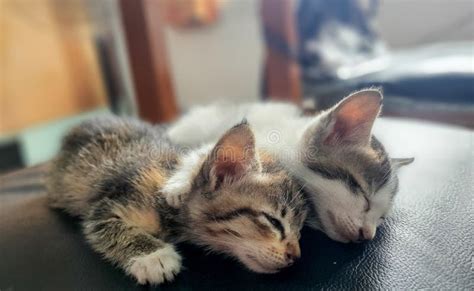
366 233
292 253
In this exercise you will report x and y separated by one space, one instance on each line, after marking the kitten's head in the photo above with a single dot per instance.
244 205
349 176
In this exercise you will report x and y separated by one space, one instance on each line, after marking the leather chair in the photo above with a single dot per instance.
426 243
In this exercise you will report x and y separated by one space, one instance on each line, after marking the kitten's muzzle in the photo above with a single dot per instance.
345 230
275 258
292 253
365 234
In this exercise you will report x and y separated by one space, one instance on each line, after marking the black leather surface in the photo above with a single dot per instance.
426 243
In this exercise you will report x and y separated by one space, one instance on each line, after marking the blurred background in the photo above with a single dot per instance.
62 61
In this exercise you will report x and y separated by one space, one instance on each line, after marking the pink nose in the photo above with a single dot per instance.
292 253
366 233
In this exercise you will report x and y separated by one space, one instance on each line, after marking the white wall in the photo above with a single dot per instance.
219 61
407 23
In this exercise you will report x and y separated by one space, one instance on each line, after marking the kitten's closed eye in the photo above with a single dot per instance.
367 204
276 224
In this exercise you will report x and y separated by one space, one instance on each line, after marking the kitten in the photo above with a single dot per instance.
347 174
114 174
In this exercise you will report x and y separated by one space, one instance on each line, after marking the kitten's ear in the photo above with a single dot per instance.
351 120
233 156
398 163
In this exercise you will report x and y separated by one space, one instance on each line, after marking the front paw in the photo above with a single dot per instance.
174 199
157 267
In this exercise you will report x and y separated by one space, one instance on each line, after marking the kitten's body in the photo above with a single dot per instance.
345 170
274 124
113 173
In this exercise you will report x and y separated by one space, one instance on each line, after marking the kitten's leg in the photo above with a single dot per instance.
125 235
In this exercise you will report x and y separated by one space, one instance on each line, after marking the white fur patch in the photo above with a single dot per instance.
157 267
207 123
181 182
348 210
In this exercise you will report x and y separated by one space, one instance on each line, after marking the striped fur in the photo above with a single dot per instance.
114 173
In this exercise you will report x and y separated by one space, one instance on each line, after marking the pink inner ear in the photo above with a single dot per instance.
338 132
354 119
228 169
234 154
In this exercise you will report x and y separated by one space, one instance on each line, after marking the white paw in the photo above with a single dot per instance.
174 199
157 267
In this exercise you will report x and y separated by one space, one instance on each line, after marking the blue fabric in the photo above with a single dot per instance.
404 75
312 15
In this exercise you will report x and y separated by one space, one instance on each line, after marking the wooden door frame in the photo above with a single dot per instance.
151 74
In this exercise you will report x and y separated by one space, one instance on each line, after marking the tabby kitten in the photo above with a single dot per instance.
346 172
114 174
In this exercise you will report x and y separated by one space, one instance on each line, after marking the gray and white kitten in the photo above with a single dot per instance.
345 170
114 174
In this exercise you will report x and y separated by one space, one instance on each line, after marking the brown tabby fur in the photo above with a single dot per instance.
111 173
